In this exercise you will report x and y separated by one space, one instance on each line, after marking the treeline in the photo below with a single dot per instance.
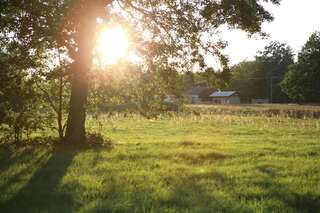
302 81
261 78
275 76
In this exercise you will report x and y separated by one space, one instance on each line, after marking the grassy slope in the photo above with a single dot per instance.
179 164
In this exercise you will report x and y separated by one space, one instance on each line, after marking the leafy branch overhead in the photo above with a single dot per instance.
176 29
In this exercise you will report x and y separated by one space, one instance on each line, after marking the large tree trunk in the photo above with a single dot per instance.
86 13
76 131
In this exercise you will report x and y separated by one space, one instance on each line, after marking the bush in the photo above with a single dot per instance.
20 108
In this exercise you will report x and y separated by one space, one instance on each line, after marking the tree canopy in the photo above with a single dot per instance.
261 78
301 83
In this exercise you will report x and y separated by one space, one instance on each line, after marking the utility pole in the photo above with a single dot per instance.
271 87
271 90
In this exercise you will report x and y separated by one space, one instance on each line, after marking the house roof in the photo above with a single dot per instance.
197 90
220 94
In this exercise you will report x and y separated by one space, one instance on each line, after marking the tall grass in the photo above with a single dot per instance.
270 110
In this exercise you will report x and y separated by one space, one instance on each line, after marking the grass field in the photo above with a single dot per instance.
200 162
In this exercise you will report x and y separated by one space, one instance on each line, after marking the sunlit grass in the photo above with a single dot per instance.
176 163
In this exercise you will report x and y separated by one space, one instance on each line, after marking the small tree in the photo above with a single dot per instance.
53 85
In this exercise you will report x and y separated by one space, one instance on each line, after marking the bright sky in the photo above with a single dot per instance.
295 21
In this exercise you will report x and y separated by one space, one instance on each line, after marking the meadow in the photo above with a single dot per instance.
201 161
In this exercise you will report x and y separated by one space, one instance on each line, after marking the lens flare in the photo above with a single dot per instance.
112 45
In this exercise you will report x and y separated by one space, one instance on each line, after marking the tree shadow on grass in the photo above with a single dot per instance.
8 157
18 173
25 152
202 200
41 193
304 202
189 195
184 193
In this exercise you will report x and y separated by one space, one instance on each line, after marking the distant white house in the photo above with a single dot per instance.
225 97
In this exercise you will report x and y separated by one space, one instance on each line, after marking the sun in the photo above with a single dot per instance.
112 45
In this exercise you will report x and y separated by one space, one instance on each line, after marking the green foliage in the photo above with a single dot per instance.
126 87
261 78
54 89
275 60
151 91
301 83
148 96
248 79
213 79
176 28
20 104
188 79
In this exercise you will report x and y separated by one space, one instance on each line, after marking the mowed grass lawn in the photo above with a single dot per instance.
190 163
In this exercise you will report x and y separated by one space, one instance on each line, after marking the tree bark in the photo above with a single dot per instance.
59 113
85 14
76 131
60 100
